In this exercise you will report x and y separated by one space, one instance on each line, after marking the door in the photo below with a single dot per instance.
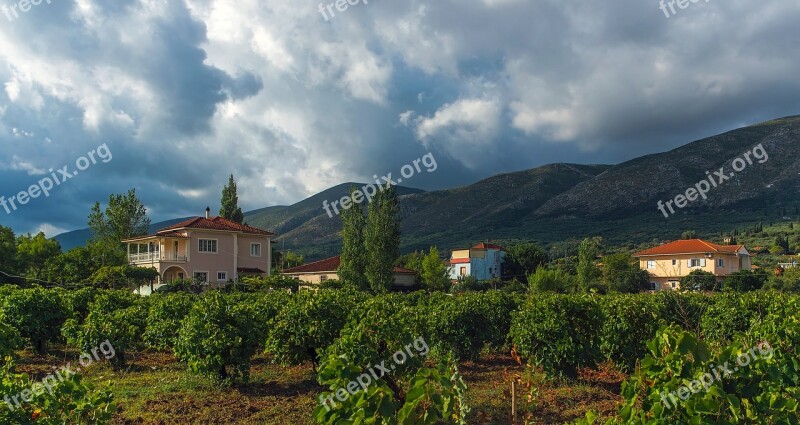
175 250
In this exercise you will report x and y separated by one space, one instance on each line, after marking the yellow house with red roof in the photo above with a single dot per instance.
668 263
213 250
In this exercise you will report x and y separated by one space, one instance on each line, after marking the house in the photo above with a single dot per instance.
213 250
328 269
668 263
483 261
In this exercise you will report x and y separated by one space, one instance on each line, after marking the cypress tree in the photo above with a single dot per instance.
230 203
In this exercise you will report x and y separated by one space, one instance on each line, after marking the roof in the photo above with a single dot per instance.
460 260
250 270
214 223
331 265
689 246
488 246
173 235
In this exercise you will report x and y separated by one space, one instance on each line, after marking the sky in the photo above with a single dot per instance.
294 96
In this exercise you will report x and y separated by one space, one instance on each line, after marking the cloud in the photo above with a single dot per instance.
187 92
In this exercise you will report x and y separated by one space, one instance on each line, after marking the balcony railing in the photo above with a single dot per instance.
154 257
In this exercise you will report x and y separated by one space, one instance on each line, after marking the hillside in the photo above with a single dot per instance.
567 202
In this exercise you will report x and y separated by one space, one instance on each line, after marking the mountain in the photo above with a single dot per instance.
559 204
76 238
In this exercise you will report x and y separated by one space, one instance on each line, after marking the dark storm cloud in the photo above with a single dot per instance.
187 92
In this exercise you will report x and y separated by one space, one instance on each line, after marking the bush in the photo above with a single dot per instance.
164 318
122 328
745 281
37 313
71 401
551 280
217 339
629 321
309 323
700 280
559 333
684 309
10 340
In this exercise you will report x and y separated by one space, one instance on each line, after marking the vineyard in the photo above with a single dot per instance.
660 344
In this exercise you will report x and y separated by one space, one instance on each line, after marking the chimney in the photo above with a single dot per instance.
208 212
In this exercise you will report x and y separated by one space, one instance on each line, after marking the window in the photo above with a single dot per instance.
222 276
674 262
674 284
651 264
323 278
208 246
721 262
653 286
463 271
255 249
201 276
697 262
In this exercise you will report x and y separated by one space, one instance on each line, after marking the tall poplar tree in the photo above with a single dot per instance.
382 239
230 203
352 266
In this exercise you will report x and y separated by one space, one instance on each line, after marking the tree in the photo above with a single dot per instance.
689 234
230 203
435 274
34 251
700 280
8 252
745 281
353 261
382 239
522 259
588 272
621 273
551 280
125 217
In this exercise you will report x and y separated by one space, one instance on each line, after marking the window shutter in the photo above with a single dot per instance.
703 262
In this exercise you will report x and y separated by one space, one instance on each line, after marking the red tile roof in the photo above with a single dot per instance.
488 246
331 265
690 246
214 223
460 261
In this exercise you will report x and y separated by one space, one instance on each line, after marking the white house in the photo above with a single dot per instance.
483 261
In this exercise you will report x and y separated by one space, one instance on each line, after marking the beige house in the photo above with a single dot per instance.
667 264
211 249
328 269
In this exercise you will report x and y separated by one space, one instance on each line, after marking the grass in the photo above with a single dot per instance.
157 389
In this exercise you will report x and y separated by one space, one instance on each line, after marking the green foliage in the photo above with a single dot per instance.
629 321
588 272
113 318
467 284
700 280
559 333
353 261
275 282
682 381
552 280
164 318
67 401
684 309
33 253
37 313
10 339
309 323
522 259
745 281
435 274
382 239
621 273
125 217
230 203
217 339
463 325
8 252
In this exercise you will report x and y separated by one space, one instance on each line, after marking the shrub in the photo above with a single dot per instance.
551 280
629 321
700 280
558 332
37 313
71 401
684 309
309 323
121 328
10 339
164 318
745 281
217 340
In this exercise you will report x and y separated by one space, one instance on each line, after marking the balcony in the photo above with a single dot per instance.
156 257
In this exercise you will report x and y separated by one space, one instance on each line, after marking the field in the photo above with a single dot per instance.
157 389
271 357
